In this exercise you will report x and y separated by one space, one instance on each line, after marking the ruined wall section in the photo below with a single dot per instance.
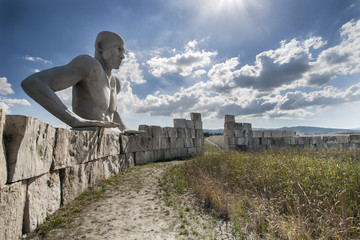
43 167
240 136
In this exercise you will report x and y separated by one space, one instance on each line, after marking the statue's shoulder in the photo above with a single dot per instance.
85 62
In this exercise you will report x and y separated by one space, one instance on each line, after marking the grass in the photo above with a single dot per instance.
281 194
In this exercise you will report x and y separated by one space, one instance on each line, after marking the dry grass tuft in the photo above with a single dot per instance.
282 194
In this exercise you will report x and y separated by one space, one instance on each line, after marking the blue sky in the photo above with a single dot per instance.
272 63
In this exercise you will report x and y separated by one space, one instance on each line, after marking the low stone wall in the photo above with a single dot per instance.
240 136
43 167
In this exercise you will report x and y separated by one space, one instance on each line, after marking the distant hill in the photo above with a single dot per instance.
300 130
304 130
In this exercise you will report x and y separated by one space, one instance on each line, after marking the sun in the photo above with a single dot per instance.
230 5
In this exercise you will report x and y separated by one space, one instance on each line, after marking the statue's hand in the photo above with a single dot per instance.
95 123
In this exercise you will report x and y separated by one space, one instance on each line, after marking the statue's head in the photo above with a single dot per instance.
110 48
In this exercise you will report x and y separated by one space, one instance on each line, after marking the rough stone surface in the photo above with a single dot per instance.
229 118
12 203
29 146
43 199
3 168
77 147
73 182
180 123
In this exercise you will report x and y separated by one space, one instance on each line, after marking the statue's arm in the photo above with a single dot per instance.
42 86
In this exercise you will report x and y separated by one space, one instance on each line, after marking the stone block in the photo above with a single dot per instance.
198 125
173 142
198 142
267 133
115 164
199 133
200 150
193 132
354 138
192 151
73 182
144 157
229 126
258 134
190 124
130 159
159 155
229 118
247 126
180 123
29 145
43 199
184 152
3 168
342 139
156 131
146 131
130 143
164 133
146 144
276 133
71 147
238 126
189 143
164 143
180 142
288 133
172 132
242 141
195 116
12 204
181 132
229 133
188 133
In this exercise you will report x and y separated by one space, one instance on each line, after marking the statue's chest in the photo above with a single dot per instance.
102 91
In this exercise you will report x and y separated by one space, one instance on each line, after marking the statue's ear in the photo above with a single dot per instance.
99 47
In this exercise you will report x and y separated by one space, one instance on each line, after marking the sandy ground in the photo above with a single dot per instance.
138 210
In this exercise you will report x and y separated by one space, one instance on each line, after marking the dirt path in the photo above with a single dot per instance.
136 209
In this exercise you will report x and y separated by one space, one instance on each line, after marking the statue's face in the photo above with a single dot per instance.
113 54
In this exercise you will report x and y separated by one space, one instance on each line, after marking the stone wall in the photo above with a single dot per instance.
43 167
240 136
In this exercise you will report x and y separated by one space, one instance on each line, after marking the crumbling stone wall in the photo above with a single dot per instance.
240 136
43 167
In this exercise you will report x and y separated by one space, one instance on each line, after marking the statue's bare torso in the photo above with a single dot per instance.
95 96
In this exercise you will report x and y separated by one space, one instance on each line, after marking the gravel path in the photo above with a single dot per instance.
137 209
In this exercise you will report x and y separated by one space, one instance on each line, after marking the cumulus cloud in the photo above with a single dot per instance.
130 70
7 103
266 88
326 97
5 87
183 64
37 59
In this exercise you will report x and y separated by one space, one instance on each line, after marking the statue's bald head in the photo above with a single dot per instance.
106 37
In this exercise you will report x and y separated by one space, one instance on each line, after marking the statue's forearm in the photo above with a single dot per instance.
47 98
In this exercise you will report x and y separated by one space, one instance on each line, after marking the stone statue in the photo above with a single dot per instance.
94 87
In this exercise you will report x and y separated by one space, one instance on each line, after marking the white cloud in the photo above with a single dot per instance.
257 90
130 70
5 87
8 103
37 59
183 63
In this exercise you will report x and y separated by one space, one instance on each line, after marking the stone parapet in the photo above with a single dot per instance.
240 136
43 167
